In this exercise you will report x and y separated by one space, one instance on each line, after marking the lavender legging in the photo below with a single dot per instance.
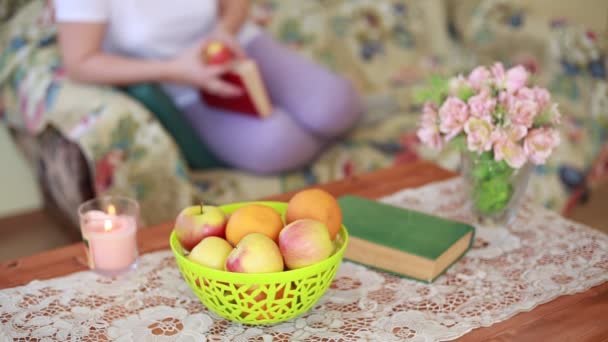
312 107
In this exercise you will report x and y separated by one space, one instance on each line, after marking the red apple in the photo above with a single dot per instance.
195 223
305 242
218 53
255 253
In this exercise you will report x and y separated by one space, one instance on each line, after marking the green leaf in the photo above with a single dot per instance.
422 95
480 171
459 142
499 115
493 195
465 93
543 119
486 156
502 169
435 91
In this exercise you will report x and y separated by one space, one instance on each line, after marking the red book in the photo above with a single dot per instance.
254 100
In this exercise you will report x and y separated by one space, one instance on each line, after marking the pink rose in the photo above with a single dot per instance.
539 95
512 80
479 134
526 94
509 151
428 133
482 105
430 136
506 100
498 72
523 112
429 114
515 132
556 116
512 132
452 116
516 78
542 97
479 77
539 144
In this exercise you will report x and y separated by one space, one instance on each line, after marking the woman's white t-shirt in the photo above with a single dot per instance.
150 29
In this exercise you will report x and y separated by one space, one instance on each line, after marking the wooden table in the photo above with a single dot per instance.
580 317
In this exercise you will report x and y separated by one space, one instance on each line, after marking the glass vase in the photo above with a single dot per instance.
495 190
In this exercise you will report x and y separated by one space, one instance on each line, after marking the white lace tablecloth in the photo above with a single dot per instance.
509 270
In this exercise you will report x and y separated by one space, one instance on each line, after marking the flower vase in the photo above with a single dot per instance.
505 126
495 190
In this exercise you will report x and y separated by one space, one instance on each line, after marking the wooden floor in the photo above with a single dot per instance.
36 231
32 232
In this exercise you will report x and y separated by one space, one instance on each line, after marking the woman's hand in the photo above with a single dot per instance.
190 68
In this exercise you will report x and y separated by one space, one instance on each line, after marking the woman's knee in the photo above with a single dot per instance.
290 150
276 144
334 110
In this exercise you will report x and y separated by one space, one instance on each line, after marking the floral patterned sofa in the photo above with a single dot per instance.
86 140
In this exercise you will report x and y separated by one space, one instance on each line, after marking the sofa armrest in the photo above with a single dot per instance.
61 170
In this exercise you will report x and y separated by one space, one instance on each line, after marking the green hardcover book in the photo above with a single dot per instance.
402 241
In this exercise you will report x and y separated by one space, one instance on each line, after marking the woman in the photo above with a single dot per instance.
119 42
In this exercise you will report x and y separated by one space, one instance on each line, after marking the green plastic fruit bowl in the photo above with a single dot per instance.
264 298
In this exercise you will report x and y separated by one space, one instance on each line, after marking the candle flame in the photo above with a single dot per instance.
107 225
111 209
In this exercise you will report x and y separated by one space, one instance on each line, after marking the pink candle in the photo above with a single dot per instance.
111 240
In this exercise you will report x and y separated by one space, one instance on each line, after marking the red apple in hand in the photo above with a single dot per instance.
218 53
195 223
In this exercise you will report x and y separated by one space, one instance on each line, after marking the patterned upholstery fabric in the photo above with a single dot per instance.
8 8
387 47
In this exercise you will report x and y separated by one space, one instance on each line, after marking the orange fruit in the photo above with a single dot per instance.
316 204
253 218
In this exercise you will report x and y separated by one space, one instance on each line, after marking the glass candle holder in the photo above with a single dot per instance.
109 229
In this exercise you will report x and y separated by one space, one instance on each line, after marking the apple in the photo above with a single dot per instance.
218 53
255 253
305 242
211 252
195 223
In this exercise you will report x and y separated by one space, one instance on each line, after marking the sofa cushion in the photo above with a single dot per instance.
8 8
